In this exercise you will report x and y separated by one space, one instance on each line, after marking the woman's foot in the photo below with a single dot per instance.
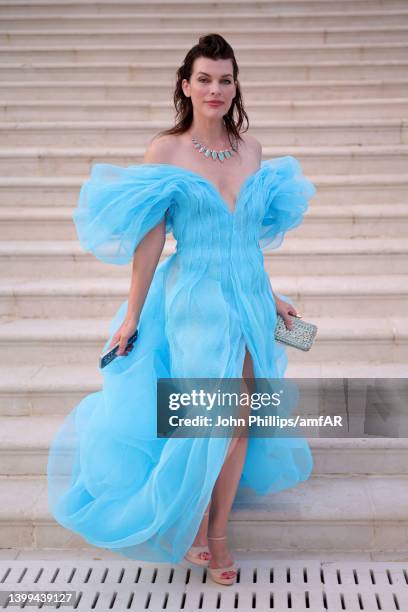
200 555
221 565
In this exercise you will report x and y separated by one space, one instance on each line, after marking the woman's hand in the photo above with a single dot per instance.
125 331
285 309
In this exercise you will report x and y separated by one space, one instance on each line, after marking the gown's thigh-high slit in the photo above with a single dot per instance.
247 373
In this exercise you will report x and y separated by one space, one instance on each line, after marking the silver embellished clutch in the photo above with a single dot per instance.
301 335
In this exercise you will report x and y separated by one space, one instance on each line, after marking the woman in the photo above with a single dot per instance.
207 311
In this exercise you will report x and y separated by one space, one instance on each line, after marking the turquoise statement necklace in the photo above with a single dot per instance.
207 152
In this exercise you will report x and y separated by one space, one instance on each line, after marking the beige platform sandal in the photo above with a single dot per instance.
223 575
199 555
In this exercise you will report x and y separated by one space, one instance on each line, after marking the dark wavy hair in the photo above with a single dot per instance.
213 46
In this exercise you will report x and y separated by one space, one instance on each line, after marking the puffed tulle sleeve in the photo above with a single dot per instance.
286 193
117 207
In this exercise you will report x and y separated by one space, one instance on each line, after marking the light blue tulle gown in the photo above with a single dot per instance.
110 478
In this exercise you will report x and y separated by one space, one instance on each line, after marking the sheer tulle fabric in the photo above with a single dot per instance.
110 479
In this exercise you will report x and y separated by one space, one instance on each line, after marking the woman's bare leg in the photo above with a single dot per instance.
225 488
222 499
201 536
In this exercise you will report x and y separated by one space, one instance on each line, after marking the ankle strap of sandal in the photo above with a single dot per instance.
217 538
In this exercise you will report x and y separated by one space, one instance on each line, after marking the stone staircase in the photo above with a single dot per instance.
85 82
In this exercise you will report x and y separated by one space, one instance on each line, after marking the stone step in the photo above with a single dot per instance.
145 90
338 256
152 19
190 35
280 110
353 221
329 256
119 72
35 390
356 513
62 134
359 511
339 369
262 7
342 221
308 53
314 296
54 161
81 340
340 191
25 442
45 558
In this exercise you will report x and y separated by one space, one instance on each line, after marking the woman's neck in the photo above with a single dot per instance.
209 132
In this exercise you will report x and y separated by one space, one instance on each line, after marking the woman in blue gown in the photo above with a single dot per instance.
208 311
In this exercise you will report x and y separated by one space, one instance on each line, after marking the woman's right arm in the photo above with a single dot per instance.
145 259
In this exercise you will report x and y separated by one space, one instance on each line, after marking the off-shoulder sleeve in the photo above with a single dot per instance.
286 193
117 206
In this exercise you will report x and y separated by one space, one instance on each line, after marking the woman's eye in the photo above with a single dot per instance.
205 80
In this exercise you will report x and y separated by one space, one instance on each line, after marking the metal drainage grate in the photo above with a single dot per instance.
279 586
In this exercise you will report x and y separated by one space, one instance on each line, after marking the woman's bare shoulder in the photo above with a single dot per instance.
160 149
253 145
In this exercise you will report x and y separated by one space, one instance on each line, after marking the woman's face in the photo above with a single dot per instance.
211 81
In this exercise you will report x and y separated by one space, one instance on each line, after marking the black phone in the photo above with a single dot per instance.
110 354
